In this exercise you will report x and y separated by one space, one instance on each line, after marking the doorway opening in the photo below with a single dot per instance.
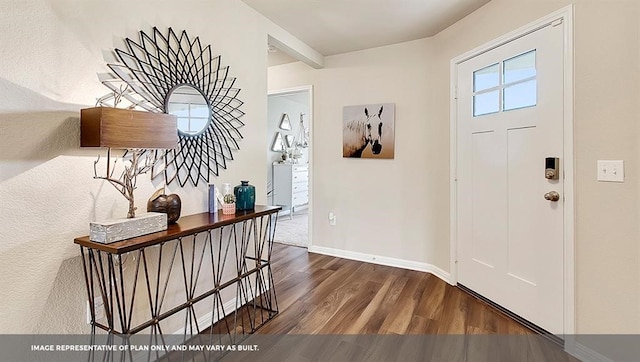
288 161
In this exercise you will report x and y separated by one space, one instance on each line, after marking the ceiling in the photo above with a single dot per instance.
339 26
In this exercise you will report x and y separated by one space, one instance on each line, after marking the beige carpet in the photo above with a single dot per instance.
293 231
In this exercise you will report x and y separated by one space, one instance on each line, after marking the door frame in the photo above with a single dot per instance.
309 90
566 15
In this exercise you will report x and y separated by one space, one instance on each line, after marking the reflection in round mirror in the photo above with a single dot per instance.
191 107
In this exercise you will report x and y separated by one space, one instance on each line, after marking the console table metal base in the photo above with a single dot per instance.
225 261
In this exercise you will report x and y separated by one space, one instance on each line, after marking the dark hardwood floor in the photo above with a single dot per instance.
323 295
319 294
334 309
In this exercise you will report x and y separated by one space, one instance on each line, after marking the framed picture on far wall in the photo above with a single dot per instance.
369 131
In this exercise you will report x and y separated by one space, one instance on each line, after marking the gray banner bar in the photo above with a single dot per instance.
368 348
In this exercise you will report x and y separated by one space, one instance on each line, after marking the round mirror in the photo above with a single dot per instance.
191 107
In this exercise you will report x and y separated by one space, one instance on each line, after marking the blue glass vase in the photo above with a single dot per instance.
245 196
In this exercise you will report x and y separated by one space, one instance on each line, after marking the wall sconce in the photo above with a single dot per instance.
135 131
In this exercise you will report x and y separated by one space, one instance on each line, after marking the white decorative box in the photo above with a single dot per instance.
110 231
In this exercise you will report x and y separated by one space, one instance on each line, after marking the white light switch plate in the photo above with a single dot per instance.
611 170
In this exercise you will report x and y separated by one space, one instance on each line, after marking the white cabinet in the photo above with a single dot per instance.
290 185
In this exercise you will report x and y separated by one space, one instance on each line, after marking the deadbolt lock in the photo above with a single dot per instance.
551 168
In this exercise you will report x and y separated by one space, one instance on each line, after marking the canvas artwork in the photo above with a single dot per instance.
369 131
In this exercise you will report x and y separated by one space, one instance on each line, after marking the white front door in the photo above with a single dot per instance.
509 121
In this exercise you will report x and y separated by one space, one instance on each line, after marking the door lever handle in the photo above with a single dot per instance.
552 196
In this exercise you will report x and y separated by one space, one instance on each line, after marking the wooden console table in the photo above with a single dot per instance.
195 254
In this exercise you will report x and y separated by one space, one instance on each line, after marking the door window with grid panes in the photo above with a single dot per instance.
505 86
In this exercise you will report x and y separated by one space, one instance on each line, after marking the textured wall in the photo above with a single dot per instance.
52 50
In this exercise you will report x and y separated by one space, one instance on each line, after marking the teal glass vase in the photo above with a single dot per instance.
245 196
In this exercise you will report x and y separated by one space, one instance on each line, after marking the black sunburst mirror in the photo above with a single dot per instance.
173 74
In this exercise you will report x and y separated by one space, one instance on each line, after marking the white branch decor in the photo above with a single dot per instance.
126 183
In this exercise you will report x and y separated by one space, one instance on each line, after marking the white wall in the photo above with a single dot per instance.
400 208
52 50
389 208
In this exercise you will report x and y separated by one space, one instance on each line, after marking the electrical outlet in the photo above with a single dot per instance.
99 304
332 219
99 308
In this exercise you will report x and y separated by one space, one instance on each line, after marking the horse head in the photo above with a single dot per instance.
374 130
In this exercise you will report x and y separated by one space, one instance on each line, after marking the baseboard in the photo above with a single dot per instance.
586 354
210 318
383 260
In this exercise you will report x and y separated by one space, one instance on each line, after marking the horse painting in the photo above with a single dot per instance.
363 136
